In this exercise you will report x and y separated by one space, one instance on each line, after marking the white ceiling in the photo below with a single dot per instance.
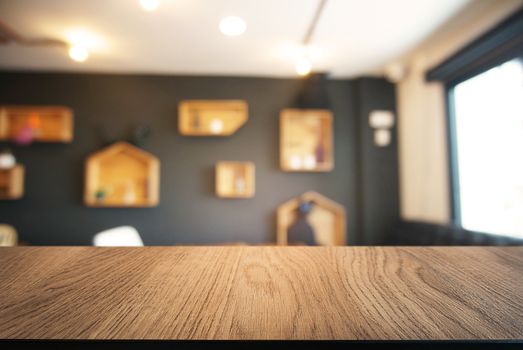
353 37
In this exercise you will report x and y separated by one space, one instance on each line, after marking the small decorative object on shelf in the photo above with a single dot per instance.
211 117
311 219
235 179
122 175
12 182
301 231
27 124
306 140
100 195
7 159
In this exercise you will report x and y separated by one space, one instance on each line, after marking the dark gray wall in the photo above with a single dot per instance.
377 172
52 213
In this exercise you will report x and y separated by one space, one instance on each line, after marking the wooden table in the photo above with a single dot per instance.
246 293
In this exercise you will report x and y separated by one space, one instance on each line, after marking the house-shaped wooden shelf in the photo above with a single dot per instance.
48 123
235 179
122 175
12 182
327 219
306 141
211 117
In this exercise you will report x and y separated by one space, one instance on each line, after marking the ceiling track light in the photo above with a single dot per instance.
150 5
232 26
304 63
77 52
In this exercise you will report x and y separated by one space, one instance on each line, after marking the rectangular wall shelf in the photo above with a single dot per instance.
12 183
235 179
306 140
211 117
51 123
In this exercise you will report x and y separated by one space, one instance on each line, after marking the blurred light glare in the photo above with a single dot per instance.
78 53
303 66
150 5
232 26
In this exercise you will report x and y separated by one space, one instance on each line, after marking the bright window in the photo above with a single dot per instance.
488 131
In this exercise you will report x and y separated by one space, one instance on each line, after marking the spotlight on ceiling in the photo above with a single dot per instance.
303 66
232 26
150 5
78 53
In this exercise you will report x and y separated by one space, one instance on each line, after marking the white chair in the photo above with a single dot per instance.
8 236
121 236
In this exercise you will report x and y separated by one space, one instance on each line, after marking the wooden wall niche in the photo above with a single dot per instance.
211 117
12 182
122 175
306 140
235 179
327 218
50 123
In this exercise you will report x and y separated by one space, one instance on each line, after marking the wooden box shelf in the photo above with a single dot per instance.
122 175
12 182
327 219
50 123
306 140
211 117
235 179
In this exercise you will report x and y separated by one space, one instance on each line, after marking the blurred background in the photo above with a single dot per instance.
320 122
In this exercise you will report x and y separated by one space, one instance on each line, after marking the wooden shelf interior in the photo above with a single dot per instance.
235 179
327 219
211 117
12 182
122 175
306 140
50 123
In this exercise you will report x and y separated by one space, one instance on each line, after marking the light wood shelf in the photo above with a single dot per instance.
51 123
235 179
12 182
306 140
211 117
122 175
327 218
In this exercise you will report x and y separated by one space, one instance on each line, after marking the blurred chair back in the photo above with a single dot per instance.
8 236
122 236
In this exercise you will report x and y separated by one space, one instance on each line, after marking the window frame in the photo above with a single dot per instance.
452 139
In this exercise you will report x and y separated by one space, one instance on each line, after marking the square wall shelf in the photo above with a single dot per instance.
122 175
235 179
49 123
306 140
211 117
12 183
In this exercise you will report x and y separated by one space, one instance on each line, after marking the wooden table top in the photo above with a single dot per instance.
207 293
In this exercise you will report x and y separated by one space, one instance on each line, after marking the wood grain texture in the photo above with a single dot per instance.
351 293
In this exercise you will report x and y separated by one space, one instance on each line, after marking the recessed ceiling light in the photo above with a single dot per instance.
78 53
303 66
150 5
232 26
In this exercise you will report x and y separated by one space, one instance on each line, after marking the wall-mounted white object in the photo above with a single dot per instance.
381 121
